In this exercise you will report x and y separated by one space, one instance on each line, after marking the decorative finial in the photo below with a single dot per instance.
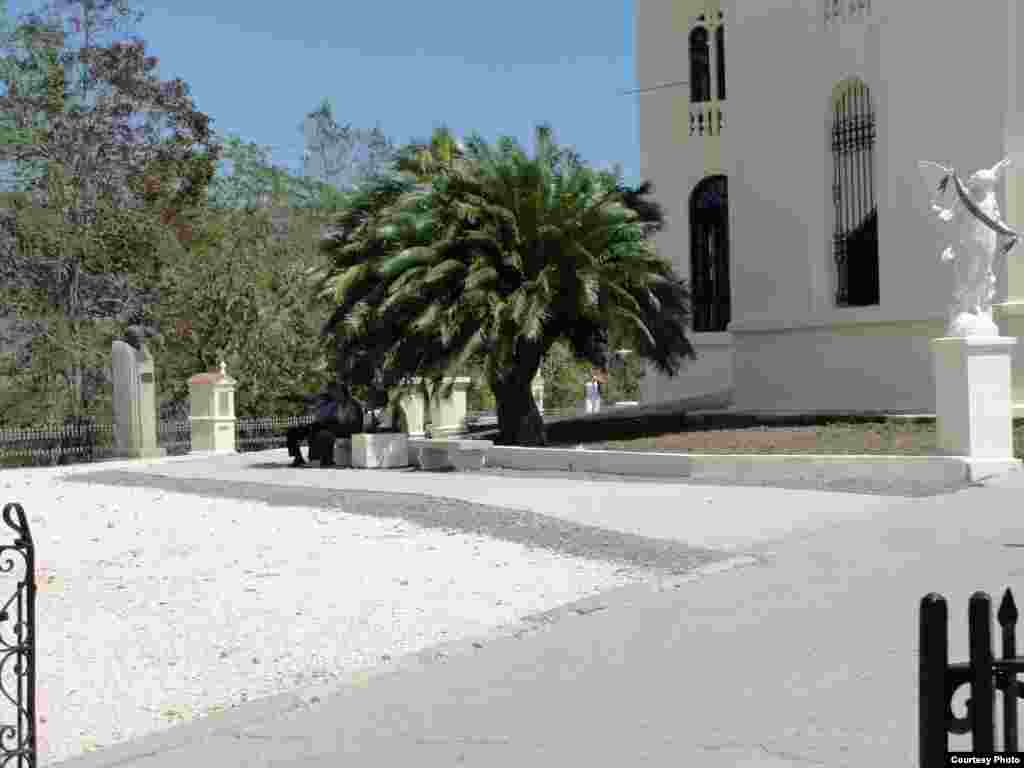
1007 609
223 369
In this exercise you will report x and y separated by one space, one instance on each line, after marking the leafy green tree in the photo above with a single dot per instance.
103 137
36 387
501 255
238 295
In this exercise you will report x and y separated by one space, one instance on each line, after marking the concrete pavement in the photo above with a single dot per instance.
807 658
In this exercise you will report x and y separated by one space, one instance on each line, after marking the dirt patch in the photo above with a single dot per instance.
880 438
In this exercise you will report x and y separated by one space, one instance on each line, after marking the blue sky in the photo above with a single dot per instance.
258 67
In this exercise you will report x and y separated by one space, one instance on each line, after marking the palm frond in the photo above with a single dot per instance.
444 270
408 258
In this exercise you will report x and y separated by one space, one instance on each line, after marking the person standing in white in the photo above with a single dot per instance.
592 393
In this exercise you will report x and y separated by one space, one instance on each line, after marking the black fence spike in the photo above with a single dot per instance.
1007 613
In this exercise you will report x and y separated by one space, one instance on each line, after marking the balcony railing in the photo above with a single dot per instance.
707 118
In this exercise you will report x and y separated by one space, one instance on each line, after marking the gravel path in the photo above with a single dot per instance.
159 604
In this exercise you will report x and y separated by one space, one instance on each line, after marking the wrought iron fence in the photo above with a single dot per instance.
265 433
939 679
18 649
174 437
85 440
73 442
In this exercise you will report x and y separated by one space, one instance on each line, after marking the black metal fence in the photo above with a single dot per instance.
940 680
84 440
18 647
265 433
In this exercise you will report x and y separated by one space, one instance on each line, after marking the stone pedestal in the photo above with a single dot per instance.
449 414
415 411
134 403
445 415
1010 319
212 406
973 402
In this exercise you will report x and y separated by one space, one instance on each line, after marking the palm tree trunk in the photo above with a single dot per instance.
519 420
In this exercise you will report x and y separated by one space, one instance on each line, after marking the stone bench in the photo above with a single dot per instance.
374 452
472 454
441 454
435 455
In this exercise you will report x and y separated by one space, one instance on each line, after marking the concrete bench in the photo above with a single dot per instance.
471 454
442 454
436 455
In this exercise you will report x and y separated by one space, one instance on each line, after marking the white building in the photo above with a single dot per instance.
787 165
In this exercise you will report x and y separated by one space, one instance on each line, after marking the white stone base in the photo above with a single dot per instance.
382 450
212 434
218 452
973 397
986 469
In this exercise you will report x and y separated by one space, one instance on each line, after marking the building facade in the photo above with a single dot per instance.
787 166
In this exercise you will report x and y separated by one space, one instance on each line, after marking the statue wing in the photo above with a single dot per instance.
1001 166
938 179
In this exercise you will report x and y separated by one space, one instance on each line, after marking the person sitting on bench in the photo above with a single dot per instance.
337 415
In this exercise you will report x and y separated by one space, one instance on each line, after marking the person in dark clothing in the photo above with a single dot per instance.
337 415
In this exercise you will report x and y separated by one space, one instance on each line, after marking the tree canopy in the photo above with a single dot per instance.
483 251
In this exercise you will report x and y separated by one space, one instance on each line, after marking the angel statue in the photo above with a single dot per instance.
980 230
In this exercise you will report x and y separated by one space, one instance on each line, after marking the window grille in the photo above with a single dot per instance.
836 11
709 254
700 66
720 60
855 236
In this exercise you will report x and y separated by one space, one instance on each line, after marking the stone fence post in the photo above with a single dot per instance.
538 392
445 415
212 405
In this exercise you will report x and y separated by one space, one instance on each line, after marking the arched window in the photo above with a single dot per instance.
700 66
709 254
855 233
720 60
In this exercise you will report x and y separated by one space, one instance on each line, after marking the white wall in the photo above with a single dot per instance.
937 96
830 368
781 160
794 348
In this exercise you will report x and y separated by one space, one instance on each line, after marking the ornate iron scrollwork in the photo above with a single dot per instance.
18 647
956 676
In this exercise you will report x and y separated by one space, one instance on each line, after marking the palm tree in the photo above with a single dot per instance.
361 236
484 252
